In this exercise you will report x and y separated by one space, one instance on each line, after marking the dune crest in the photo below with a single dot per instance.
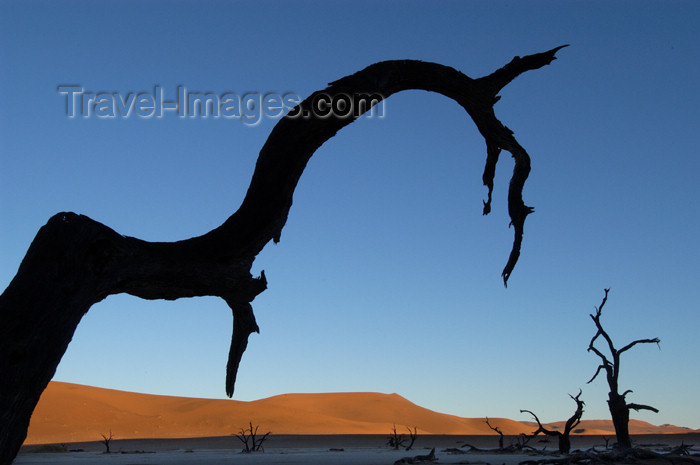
75 413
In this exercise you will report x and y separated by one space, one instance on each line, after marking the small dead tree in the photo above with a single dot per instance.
106 440
617 404
248 436
571 423
396 440
413 434
520 442
500 433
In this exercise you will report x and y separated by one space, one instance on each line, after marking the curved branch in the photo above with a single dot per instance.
600 367
601 331
494 428
75 261
617 404
655 340
606 362
638 407
571 423
535 416
575 419
294 139
541 428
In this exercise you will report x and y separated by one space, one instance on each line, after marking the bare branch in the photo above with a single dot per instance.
244 325
575 419
248 437
563 437
602 303
590 344
106 440
655 340
75 262
495 428
492 153
502 77
606 362
541 428
638 407
498 430
617 403
601 331
600 367
395 440
413 434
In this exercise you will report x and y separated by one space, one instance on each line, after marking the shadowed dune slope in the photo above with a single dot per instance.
604 427
74 413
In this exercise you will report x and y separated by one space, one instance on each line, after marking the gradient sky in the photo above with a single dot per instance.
387 277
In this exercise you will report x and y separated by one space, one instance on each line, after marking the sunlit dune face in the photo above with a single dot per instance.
75 413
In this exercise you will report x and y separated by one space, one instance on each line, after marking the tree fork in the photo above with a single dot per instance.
564 437
617 404
75 262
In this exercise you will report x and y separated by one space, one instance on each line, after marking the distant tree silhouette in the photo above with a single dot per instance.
395 440
74 261
617 404
413 434
498 430
106 440
250 439
571 423
521 442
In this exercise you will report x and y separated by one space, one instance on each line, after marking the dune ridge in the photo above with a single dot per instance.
75 413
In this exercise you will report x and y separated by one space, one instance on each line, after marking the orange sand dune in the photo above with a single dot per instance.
75 413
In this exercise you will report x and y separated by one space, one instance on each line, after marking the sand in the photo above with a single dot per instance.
74 413
304 450
151 429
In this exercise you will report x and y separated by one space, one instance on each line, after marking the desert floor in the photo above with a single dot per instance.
308 450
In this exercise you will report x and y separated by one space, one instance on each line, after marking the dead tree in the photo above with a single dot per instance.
251 442
571 423
617 404
395 440
498 430
413 434
521 442
106 440
75 262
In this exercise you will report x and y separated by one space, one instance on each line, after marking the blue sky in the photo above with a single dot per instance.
387 277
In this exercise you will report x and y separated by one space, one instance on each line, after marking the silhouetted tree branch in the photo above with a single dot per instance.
395 440
106 440
500 433
571 423
74 261
413 434
251 443
638 407
617 404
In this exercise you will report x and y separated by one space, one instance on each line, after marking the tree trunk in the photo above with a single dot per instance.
564 443
75 262
620 414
